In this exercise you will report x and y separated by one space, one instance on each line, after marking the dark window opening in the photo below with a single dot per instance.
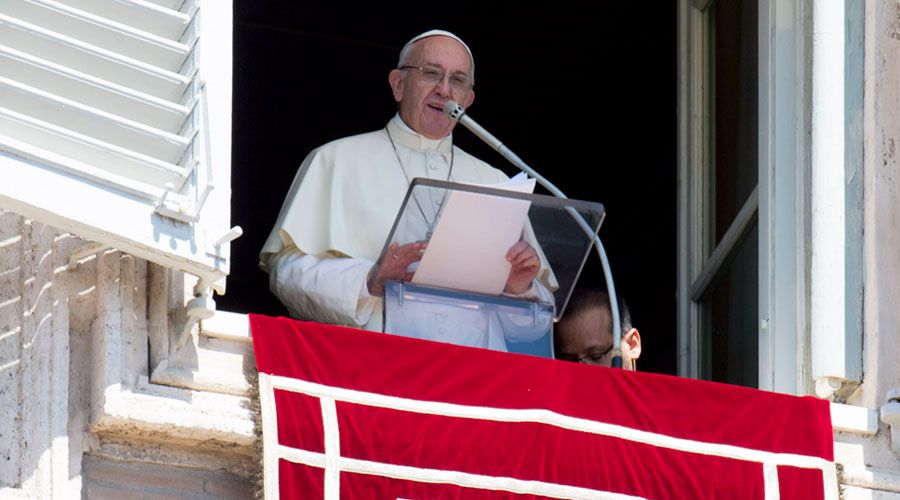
585 92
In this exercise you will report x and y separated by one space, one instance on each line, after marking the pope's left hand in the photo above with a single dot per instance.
525 266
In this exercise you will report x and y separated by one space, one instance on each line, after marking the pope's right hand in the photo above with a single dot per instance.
394 266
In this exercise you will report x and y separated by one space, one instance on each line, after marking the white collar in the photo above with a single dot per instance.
409 138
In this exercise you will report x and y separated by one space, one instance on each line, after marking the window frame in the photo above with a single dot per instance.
789 199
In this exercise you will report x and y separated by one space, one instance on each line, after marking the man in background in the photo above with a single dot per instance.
585 334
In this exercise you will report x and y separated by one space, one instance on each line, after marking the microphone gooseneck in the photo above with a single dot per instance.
457 113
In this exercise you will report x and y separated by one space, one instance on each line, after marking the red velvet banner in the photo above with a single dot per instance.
356 414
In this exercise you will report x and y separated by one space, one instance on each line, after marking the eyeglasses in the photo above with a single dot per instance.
591 358
431 75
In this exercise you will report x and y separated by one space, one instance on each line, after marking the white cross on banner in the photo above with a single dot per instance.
354 414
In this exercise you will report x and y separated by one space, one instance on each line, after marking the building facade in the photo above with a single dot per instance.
118 379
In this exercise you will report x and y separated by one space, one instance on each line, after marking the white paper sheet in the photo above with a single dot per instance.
468 248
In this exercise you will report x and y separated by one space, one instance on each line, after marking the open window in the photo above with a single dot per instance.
770 196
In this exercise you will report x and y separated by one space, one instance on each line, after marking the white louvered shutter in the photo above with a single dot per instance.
115 124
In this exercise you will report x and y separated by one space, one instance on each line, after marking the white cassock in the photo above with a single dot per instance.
336 217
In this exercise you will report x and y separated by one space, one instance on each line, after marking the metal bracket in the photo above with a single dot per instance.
890 414
218 284
215 249
199 308
232 234
835 389
181 212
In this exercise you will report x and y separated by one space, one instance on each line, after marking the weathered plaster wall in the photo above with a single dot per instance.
882 203
872 469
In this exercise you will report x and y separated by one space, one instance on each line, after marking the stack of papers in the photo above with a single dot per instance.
468 248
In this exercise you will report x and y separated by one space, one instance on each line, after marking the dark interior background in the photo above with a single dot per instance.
584 92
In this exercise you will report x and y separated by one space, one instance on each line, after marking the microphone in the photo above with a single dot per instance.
458 114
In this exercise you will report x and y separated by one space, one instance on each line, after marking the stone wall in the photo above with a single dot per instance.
115 480
81 410
871 466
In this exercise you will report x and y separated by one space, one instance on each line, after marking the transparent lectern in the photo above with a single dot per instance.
457 291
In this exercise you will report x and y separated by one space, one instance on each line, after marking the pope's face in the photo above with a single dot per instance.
422 104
